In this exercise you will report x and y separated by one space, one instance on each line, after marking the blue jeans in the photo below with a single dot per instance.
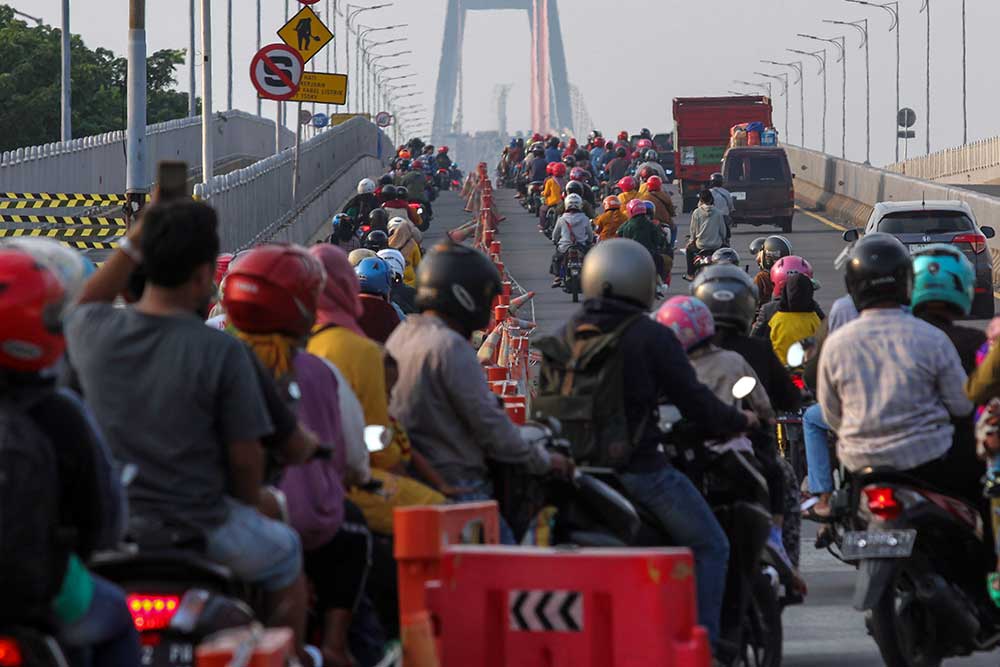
817 436
481 490
674 500
105 635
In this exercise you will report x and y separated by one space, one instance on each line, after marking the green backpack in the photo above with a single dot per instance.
582 384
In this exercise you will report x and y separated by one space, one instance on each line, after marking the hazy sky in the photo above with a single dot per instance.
631 57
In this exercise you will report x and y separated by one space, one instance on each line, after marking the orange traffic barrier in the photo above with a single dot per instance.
271 647
518 301
488 350
522 607
421 535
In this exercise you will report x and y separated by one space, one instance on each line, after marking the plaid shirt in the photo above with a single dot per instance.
888 385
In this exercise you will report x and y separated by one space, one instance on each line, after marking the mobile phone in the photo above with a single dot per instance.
172 178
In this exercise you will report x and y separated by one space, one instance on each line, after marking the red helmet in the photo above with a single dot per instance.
418 164
578 174
643 144
274 289
31 304
599 141
537 137
654 183
443 149
628 184
612 203
689 318
222 266
636 207
548 168
623 135
785 267
404 154
558 169
645 173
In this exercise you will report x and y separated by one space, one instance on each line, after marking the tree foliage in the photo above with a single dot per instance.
30 67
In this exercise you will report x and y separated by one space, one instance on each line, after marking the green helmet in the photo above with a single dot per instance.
942 273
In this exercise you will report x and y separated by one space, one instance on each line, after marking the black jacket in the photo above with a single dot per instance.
784 395
359 206
657 371
403 296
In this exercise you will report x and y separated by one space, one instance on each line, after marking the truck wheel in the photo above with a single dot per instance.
786 225
690 204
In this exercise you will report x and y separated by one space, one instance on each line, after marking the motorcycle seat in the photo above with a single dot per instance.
874 474
161 564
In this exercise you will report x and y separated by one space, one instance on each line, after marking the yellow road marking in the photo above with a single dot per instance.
820 218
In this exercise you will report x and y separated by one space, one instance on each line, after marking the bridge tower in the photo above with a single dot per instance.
551 109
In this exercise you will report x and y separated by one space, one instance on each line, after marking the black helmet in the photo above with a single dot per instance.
386 179
569 161
644 133
621 152
574 188
879 270
757 245
726 256
553 142
582 155
377 240
652 156
619 269
537 150
729 293
775 247
717 180
389 192
378 219
460 282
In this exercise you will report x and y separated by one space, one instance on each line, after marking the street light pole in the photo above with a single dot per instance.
965 83
229 54
927 113
841 44
862 27
207 153
782 78
893 9
192 86
67 104
797 66
136 175
820 57
258 48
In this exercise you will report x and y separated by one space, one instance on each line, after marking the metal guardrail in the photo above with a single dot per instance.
952 162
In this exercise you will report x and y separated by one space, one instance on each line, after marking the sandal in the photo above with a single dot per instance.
809 512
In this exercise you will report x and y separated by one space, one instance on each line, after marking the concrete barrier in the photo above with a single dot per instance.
96 164
978 162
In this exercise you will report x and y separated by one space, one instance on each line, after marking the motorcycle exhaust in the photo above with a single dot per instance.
948 605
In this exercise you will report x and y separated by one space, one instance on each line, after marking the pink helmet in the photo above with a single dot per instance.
689 318
578 174
635 207
785 267
643 144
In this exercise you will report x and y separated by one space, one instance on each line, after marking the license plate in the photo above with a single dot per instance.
739 196
878 544
917 247
168 654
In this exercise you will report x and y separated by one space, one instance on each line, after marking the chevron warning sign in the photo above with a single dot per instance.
545 611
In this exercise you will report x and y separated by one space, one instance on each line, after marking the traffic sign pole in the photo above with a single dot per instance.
136 174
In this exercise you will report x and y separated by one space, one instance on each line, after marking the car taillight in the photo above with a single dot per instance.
977 241
152 612
882 502
10 653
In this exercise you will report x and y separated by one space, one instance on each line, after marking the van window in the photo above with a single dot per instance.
925 222
749 168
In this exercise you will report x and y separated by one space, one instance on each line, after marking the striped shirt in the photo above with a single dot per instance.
888 385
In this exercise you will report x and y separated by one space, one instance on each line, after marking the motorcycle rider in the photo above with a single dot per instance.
607 223
652 162
575 188
617 167
572 228
770 251
619 286
596 152
795 318
414 182
629 189
708 230
641 228
534 168
405 238
723 198
443 160
364 202
665 211
889 383
780 273
552 192
402 295
552 152
581 176
345 233
441 397
378 317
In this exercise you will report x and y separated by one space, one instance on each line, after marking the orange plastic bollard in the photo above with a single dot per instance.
495 247
488 235
522 607
516 408
500 313
421 535
417 638
496 373
272 647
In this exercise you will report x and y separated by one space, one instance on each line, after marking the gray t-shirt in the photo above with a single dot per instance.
170 394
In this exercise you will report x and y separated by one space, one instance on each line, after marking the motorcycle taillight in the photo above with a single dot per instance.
150 611
799 381
882 502
10 653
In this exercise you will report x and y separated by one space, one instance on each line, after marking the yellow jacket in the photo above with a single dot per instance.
606 225
626 197
412 262
360 360
551 192
789 328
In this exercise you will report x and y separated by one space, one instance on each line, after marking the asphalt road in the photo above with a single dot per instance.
825 630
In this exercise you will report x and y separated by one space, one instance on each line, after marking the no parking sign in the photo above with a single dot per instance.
276 71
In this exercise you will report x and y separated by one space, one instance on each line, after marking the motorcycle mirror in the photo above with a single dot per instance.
743 387
375 437
796 355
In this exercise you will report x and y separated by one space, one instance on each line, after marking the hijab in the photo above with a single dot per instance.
339 304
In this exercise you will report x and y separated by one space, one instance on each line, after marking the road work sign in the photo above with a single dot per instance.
276 71
305 33
322 87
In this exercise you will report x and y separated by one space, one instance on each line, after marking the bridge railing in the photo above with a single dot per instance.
255 203
953 163
96 164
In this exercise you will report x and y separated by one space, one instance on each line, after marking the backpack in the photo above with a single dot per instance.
34 549
582 384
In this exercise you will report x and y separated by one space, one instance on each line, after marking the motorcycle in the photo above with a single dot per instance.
549 222
534 202
28 646
443 179
922 562
572 267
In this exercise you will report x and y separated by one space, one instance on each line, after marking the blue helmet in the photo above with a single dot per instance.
942 273
337 219
375 276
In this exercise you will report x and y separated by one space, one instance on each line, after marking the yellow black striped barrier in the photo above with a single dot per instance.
66 233
64 220
54 203
64 197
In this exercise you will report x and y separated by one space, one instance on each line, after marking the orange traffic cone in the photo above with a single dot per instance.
487 351
459 234
518 301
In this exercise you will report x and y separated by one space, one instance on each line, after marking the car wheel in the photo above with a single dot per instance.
786 225
983 306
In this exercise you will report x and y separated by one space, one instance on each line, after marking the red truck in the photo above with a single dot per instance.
701 136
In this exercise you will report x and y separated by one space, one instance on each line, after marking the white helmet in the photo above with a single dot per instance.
395 224
394 259
574 202
366 186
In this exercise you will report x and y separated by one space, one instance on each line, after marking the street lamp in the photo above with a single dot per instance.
926 7
893 9
783 80
862 27
841 44
369 94
763 86
361 38
820 57
383 56
349 16
797 66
